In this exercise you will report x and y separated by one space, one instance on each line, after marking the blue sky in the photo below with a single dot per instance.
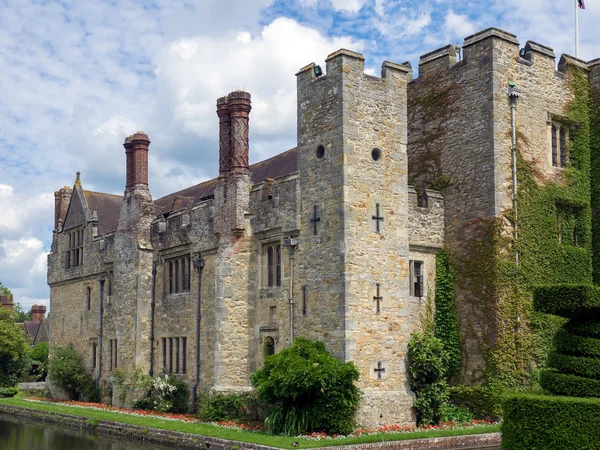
76 77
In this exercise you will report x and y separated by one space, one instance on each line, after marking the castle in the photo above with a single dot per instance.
333 240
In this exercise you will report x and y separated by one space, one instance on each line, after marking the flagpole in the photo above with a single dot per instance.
576 28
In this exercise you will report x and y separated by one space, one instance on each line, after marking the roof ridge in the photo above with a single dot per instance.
86 191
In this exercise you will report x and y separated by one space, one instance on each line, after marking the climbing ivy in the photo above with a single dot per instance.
445 319
595 180
554 246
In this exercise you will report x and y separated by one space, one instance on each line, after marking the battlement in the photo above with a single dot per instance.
347 62
492 46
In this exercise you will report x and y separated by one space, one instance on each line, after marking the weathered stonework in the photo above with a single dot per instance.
317 241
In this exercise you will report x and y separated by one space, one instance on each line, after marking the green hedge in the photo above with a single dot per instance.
484 401
575 365
570 385
572 344
550 423
566 300
585 329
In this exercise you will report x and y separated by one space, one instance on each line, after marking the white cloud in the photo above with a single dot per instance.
348 5
458 25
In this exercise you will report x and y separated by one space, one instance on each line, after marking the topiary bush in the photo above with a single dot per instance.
67 372
219 406
550 423
308 390
428 368
484 401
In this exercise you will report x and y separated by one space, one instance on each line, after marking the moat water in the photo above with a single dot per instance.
16 434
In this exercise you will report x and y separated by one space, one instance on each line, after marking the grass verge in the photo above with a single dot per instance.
239 435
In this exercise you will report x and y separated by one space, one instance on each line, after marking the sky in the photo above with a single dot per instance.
77 77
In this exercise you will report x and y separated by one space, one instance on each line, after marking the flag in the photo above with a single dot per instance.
581 4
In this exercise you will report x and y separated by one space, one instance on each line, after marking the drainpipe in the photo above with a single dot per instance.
100 329
199 265
513 95
292 243
152 307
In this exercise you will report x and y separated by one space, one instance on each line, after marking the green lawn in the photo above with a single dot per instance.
243 436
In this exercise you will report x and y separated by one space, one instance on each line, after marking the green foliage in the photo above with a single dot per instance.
485 401
566 300
445 319
572 344
39 360
4 290
570 385
456 414
20 314
575 365
124 383
8 391
309 389
550 423
67 372
166 394
428 368
219 406
595 180
584 328
13 350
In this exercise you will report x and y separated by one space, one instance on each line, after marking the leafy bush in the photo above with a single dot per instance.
455 414
219 406
13 350
485 402
550 423
309 390
8 391
427 368
166 394
39 361
67 372
566 300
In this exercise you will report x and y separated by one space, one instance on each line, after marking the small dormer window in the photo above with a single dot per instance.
560 135
74 255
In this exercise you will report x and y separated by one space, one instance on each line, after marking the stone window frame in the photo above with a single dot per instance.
94 353
412 281
563 211
74 239
110 280
88 297
559 140
114 354
272 241
177 272
174 354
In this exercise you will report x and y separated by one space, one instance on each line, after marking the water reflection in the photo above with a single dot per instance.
21 435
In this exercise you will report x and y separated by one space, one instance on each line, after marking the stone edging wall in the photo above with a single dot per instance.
177 439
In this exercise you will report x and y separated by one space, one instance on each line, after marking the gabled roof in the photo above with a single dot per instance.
109 206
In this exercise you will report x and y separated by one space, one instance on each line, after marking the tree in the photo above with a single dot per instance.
20 314
13 349
4 290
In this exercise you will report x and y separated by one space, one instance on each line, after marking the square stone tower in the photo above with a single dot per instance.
354 231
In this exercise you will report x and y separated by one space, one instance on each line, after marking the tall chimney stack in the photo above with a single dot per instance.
7 301
224 137
239 111
136 151
38 313
62 198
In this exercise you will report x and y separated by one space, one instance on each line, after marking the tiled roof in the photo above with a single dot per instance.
108 207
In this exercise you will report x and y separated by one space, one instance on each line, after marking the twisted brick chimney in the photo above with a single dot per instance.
239 111
136 151
7 301
224 137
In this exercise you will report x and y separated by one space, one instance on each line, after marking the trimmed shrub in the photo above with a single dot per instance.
66 371
566 300
484 401
427 368
572 344
219 406
570 385
585 329
575 365
455 414
309 389
550 423
8 391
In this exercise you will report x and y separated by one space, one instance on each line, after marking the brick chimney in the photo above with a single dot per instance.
38 312
224 137
136 151
62 198
239 110
7 301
